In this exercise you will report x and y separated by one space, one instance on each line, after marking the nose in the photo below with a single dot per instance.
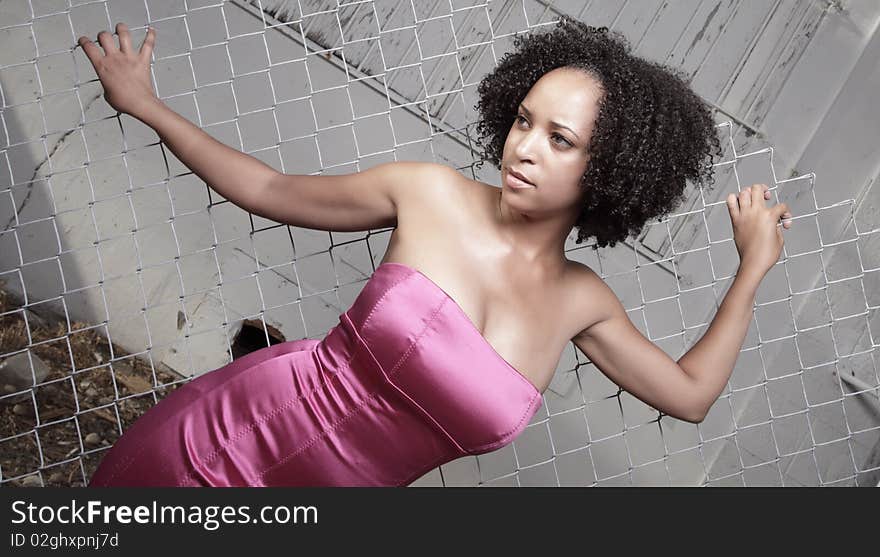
525 146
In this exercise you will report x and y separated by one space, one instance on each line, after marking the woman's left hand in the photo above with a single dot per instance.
756 230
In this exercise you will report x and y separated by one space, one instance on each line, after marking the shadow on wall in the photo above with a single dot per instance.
31 238
63 402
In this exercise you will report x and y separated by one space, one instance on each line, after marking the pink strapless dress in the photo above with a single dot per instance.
402 384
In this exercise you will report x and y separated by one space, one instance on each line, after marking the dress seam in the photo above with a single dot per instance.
360 405
405 356
369 316
225 445
124 465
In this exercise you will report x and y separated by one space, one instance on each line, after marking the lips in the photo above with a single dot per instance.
520 176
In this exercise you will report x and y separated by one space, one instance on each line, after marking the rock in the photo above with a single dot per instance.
9 389
92 439
36 321
91 393
23 409
32 481
16 370
56 477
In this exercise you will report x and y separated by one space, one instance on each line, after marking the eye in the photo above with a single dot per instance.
520 118
565 141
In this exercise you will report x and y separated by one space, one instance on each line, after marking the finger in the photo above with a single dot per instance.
758 194
91 50
745 198
147 45
733 206
107 42
780 210
124 37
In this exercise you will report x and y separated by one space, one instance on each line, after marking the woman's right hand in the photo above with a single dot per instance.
124 72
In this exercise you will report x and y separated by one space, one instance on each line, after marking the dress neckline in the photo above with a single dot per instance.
467 319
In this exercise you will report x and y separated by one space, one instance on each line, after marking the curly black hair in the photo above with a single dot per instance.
651 134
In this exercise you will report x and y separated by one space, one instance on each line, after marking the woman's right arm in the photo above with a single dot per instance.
359 201
240 178
364 200
125 76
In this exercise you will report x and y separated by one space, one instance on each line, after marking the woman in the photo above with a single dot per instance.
451 342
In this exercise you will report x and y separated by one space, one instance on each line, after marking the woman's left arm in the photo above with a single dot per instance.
686 389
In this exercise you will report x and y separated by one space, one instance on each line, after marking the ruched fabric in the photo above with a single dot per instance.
402 384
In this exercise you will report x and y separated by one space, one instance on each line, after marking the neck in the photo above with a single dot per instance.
534 239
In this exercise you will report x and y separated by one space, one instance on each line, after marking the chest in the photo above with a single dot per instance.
527 320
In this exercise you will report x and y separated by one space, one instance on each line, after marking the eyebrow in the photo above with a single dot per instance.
556 124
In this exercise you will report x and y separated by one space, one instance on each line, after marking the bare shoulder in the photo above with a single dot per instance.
423 176
594 300
429 200
420 183
446 180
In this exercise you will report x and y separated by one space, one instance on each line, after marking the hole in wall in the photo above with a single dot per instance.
252 337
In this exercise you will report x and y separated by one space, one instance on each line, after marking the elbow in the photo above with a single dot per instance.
697 413
696 418
692 418
691 410
690 415
697 404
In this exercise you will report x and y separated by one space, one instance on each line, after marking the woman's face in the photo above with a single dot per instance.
547 143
